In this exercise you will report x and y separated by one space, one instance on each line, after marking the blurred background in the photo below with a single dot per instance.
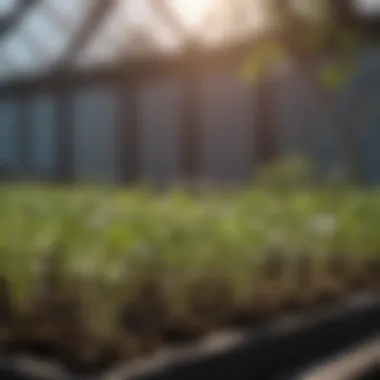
261 121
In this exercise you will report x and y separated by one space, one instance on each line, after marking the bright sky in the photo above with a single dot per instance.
367 6
21 52
192 11
6 5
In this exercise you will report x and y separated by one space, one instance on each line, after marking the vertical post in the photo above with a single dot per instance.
24 132
265 131
65 132
128 136
191 124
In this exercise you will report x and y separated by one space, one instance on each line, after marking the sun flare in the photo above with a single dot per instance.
192 12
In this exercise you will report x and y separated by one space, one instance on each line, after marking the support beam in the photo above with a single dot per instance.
65 134
24 135
95 17
266 134
62 22
190 137
162 11
129 141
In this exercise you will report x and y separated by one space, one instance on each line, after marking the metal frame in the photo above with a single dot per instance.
126 76
95 17
190 67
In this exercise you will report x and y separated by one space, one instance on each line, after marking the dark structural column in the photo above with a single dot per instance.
266 133
190 144
128 138
24 130
65 130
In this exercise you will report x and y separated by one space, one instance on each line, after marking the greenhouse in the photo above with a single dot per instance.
186 189
119 91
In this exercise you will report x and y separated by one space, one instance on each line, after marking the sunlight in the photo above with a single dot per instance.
192 12
367 7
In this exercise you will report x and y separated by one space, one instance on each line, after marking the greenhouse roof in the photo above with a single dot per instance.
38 35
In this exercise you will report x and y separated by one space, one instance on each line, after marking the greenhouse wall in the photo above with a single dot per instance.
160 118
307 128
227 125
118 129
43 126
9 155
95 120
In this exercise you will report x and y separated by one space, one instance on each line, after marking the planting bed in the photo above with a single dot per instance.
358 363
372 374
283 350
93 278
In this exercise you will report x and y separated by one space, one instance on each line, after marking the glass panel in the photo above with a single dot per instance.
48 28
116 35
44 31
72 10
7 6
8 136
226 127
290 116
95 127
160 114
42 36
165 37
6 67
43 136
106 46
21 54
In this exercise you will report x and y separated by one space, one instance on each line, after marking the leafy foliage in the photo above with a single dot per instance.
107 269
108 233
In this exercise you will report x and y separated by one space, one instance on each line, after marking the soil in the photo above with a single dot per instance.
52 328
